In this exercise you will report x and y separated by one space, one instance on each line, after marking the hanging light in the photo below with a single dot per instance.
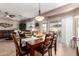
39 17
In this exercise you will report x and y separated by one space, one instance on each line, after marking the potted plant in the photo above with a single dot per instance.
22 26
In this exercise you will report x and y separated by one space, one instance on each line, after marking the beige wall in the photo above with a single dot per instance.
63 9
9 21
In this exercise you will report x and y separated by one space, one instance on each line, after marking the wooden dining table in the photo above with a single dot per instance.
33 43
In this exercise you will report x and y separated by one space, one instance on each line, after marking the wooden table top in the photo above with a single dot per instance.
34 42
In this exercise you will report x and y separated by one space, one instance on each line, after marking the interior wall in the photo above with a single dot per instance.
9 21
64 9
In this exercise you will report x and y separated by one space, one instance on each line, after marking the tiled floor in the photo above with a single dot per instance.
7 48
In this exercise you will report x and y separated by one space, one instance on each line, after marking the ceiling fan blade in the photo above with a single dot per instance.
12 16
6 13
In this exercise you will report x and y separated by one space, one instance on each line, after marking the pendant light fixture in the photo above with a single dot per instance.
39 17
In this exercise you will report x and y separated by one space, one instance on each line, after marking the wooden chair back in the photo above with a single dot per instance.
46 38
54 38
47 42
17 45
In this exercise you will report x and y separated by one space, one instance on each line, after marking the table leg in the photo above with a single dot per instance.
55 47
32 52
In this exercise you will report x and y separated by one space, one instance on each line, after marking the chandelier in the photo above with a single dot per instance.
39 17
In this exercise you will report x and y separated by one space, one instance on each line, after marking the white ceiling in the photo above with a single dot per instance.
28 10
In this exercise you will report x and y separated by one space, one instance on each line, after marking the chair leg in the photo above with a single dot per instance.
55 48
16 54
50 52
27 54
42 54
77 51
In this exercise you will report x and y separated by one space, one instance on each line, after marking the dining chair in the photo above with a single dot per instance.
53 43
44 48
73 42
77 51
20 51
21 34
28 33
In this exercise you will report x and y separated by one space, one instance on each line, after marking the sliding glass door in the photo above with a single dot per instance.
56 27
78 27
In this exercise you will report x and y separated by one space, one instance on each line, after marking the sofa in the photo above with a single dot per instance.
5 34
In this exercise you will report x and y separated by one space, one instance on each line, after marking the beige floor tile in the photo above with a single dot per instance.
7 48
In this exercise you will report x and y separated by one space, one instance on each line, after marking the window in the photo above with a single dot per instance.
78 28
53 26
44 27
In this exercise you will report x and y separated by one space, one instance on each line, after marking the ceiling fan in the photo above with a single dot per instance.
12 16
9 15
